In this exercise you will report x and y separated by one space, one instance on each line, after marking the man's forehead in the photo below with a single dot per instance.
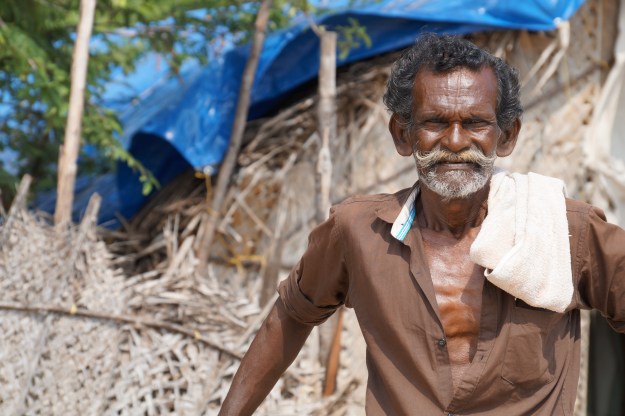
478 86
483 75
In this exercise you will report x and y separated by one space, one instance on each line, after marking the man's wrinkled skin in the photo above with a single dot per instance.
454 111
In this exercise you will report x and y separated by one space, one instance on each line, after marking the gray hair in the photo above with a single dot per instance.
444 53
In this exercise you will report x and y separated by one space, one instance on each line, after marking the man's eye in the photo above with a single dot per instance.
475 122
435 122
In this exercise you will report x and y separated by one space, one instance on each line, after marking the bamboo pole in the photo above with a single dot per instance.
210 218
326 116
69 150
18 204
329 332
334 355
137 322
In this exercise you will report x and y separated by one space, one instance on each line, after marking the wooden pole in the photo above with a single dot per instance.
69 151
326 119
334 354
18 204
137 322
581 400
330 331
209 219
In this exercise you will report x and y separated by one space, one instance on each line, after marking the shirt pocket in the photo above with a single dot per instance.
529 361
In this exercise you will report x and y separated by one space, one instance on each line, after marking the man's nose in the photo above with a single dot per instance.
456 138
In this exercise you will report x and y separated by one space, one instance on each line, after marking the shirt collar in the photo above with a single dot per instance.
404 220
401 213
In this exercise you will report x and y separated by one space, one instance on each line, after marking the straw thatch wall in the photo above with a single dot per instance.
81 338
134 328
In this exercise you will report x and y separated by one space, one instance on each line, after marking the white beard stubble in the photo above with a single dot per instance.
454 184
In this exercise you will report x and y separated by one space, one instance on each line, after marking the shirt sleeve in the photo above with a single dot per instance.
601 282
318 284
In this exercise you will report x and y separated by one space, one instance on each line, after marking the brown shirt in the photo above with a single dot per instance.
527 359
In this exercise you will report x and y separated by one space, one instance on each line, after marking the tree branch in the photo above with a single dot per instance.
238 128
134 321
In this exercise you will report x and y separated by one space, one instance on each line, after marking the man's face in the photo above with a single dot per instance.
455 133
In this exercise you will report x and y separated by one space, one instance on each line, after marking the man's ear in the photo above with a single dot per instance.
401 136
507 140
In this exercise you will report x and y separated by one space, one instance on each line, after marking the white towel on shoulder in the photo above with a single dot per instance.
524 240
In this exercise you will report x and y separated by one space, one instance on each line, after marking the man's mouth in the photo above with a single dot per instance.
456 165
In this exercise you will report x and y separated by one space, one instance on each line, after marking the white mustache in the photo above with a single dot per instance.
433 157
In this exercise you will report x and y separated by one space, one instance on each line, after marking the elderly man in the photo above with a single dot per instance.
467 286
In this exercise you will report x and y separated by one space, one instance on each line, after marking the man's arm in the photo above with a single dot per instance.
274 348
316 287
601 282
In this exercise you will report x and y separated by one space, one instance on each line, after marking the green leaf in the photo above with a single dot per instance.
351 37
120 4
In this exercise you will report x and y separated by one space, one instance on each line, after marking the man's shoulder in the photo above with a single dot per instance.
581 214
372 203
575 205
364 201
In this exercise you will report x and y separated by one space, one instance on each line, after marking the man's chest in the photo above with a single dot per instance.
458 285
396 290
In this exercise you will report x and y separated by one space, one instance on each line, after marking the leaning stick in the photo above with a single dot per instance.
74 311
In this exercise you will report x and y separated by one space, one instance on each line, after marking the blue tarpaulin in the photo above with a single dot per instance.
185 121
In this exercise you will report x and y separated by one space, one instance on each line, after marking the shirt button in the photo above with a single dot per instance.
441 343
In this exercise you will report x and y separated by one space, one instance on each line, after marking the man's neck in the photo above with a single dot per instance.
455 216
